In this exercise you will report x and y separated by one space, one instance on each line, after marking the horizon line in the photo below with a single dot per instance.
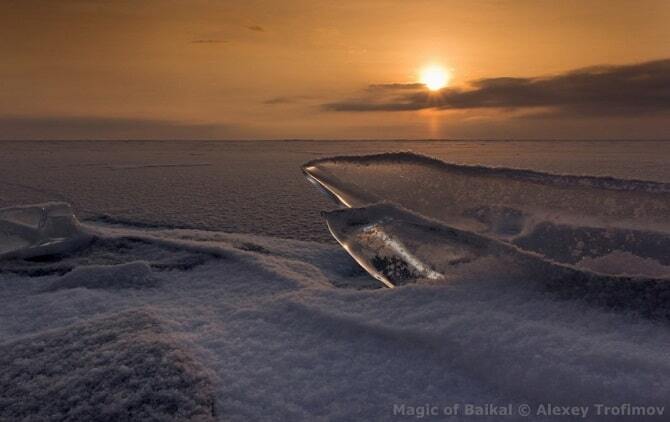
342 140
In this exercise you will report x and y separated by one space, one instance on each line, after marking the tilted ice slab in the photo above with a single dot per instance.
398 247
611 226
38 230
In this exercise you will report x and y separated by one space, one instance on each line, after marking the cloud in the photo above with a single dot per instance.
279 100
208 41
84 127
635 90
395 86
256 28
287 99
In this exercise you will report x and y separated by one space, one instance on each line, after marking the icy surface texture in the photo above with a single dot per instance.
568 219
275 340
222 186
37 230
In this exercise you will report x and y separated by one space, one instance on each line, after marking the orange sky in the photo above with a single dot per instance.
159 69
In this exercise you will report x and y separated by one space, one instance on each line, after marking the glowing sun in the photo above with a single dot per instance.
434 77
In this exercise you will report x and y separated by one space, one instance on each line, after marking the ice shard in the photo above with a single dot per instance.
585 222
399 247
38 230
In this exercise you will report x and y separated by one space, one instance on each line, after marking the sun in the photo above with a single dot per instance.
434 77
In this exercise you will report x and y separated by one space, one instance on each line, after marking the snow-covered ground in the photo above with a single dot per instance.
195 324
239 327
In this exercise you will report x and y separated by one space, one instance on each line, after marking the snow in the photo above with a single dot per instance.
116 367
135 274
619 262
267 334
149 321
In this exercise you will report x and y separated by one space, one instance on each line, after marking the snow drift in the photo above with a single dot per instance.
120 367
241 327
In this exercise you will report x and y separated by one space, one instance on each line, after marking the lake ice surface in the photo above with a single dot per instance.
212 258
258 187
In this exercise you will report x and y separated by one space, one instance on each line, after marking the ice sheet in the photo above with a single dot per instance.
38 230
564 218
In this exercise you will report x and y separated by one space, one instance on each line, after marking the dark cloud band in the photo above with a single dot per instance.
84 127
638 89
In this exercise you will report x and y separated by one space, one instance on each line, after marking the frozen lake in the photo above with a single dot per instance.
257 187
204 285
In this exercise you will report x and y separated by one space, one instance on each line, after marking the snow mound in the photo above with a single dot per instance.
119 367
38 230
626 263
109 249
135 275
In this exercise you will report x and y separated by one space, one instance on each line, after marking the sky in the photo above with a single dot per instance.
322 69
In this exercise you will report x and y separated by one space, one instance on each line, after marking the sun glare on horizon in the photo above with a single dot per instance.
434 77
